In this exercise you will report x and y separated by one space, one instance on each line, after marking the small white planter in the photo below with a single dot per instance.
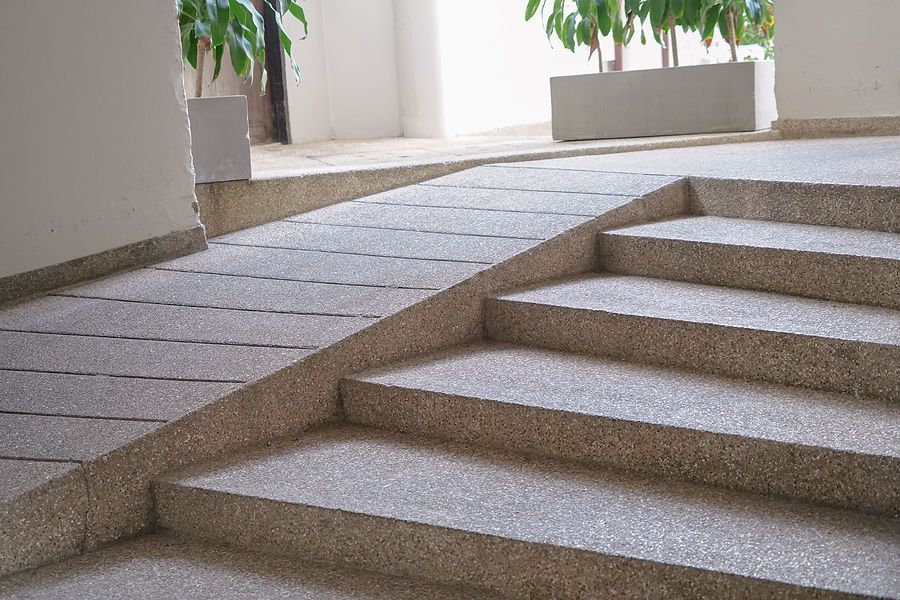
220 138
681 100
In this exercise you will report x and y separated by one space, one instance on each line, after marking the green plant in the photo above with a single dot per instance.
591 19
582 22
733 18
211 25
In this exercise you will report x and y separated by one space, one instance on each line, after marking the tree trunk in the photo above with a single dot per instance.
600 58
202 48
664 49
674 41
732 35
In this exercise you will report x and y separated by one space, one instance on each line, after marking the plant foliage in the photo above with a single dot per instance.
213 25
583 22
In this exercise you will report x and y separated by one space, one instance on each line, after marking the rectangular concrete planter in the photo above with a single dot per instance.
220 138
697 99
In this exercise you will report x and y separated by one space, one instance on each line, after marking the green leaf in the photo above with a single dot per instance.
657 13
709 23
568 31
239 49
219 13
584 7
531 9
676 8
297 12
218 52
190 53
618 32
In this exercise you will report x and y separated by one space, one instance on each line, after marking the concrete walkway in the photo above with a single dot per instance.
112 381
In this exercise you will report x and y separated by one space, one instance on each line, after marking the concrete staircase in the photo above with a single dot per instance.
714 415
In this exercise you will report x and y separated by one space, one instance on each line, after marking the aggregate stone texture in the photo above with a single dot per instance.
66 394
532 179
66 438
870 161
508 200
20 476
249 293
795 442
875 208
463 514
140 358
773 337
380 242
533 226
117 319
325 267
164 568
846 265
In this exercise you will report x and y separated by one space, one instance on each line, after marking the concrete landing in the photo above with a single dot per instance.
108 384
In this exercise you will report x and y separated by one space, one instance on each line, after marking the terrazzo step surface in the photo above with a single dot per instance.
793 442
160 567
523 527
846 348
845 265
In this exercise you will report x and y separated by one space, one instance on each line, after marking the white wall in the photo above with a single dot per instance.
828 66
94 139
348 66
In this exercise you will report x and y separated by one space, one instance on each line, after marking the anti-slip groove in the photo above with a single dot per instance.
498 210
444 260
155 339
480 235
324 282
545 191
106 374
84 417
73 294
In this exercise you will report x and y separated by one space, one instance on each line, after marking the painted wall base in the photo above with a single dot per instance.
138 254
220 138
682 100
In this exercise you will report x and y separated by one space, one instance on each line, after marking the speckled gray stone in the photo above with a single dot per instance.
546 180
44 514
838 126
118 319
783 339
564 203
249 293
20 476
461 514
537 226
870 161
846 265
324 267
379 242
102 396
177 243
794 442
66 438
164 568
140 358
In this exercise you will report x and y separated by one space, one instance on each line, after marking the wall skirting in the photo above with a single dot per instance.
838 127
171 245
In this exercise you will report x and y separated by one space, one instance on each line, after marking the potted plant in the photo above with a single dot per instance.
713 98
220 140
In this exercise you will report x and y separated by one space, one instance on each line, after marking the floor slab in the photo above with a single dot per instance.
20 476
379 242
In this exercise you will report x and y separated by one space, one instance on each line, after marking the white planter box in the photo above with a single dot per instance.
697 99
220 138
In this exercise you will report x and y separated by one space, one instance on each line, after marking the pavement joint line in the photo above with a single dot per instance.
481 187
484 235
146 377
449 260
366 285
149 339
84 417
431 183
499 210
74 461
260 310
638 173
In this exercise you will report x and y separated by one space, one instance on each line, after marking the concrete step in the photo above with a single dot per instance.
845 348
845 265
523 527
161 567
816 446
